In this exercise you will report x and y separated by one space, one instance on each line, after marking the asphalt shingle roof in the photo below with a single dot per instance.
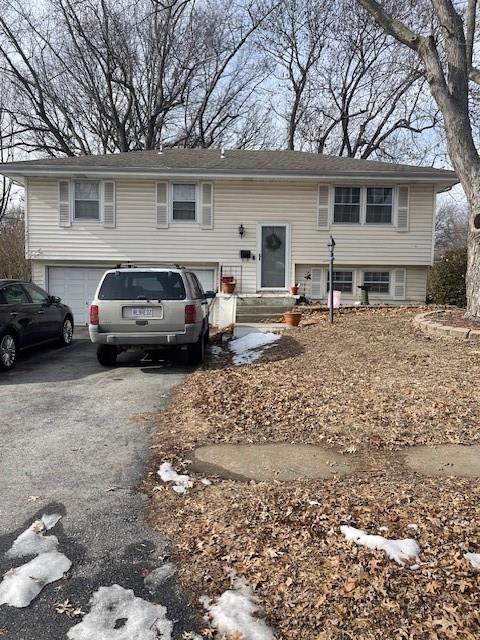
234 161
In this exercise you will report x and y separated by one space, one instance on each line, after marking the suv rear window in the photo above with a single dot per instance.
142 285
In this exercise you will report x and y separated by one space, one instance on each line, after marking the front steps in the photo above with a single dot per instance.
263 308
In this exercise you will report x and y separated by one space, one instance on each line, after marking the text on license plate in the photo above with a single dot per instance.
138 312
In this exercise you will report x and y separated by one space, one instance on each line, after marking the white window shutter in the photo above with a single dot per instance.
64 204
162 204
317 274
399 283
206 205
323 206
403 203
109 213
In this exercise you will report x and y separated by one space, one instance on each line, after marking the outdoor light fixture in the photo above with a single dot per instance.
241 231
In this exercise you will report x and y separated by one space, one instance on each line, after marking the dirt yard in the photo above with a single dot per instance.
367 387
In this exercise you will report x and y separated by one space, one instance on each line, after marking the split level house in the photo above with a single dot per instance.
262 217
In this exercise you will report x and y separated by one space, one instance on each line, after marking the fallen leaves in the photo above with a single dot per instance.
368 384
67 608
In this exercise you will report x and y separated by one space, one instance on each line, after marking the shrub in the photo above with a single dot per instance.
446 282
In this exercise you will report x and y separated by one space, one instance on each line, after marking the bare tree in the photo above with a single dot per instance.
451 227
109 75
445 44
13 263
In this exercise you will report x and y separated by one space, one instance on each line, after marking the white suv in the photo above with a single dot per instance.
149 308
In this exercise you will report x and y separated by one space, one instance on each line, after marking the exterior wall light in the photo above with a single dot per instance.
241 231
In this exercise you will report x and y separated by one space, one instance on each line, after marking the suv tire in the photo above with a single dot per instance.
107 355
8 351
196 351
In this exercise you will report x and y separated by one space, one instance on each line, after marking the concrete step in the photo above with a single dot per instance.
264 308
259 317
269 301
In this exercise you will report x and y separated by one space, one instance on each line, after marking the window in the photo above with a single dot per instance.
378 281
15 294
87 201
183 202
36 294
346 208
195 286
142 285
379 205
342 281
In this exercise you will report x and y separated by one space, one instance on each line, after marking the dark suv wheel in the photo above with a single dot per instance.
196 351
8 351
107 355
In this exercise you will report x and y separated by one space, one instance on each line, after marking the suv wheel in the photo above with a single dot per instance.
196 351
107 355
67 332
8 351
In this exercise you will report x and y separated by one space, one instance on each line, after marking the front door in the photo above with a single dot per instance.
273 241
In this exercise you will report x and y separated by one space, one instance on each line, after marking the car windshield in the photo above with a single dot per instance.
142 285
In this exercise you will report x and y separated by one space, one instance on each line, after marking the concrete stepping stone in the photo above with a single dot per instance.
280 461
445 460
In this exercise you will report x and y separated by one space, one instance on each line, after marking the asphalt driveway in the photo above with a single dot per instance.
68 444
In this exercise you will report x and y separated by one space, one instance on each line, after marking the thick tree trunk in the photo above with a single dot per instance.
473 260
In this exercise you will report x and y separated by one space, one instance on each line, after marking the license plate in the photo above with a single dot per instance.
139 312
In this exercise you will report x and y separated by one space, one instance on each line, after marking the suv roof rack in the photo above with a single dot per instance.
133 265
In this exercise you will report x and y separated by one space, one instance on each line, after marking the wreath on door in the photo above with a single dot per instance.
273 242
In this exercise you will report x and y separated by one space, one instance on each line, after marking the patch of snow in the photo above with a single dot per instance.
314 503
206 482
383 529
216 350
32 541
20 586
402 551
473 558
110 605
234 612
250 347
168 474
412 526
158 576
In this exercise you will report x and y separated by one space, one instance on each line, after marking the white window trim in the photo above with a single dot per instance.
170 202
363 207
390 281
98 220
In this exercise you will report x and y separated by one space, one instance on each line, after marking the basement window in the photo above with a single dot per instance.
378 281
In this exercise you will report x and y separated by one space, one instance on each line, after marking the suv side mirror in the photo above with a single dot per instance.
54 299
210 294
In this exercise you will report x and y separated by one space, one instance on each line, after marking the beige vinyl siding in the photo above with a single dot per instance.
416 283
137 238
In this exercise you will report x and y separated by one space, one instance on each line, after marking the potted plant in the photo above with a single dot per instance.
292 318
228 287
294 289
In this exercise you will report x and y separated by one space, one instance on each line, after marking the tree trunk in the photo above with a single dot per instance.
473 260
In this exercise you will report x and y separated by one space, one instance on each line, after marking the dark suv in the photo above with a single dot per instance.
28 317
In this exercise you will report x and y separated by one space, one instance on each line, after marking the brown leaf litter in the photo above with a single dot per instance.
370 383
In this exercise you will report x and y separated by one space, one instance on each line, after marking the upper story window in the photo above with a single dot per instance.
378 281
86 200
346 205
184 202
379 205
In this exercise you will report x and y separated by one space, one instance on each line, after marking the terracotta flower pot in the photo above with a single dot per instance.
227 279
294 291
228 287
292 318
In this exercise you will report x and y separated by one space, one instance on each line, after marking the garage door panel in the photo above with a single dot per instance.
206 278
76 287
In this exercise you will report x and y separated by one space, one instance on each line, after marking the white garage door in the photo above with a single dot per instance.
206 277
76 287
